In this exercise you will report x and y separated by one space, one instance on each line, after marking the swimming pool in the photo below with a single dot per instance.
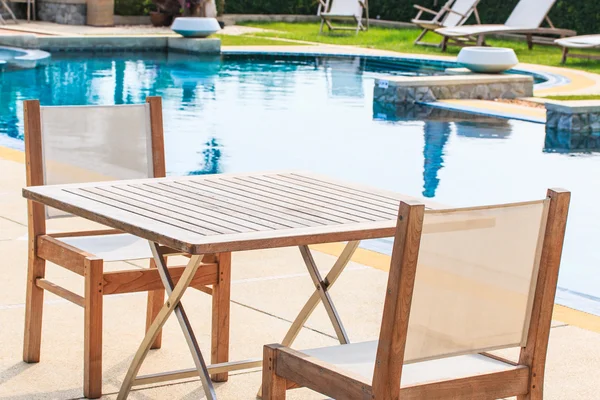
239 113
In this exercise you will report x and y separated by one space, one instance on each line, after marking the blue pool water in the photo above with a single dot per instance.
236 114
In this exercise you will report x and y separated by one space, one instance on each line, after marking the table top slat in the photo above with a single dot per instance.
231 212
271 202
371 200
145 210
356 207
200 216
290 219
377 195
286 200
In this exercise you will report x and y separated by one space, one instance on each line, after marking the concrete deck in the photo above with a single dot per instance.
269 288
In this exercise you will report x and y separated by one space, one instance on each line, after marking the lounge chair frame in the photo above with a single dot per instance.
438 20
566 53
327 20
531 35
284 368
10 13
45 247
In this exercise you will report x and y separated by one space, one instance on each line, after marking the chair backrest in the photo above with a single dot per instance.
530 13
79 144
470 280
346 7
464 7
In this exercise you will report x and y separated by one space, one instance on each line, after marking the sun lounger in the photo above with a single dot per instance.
343 10
579 42
462 283
526 18
453 13
10 12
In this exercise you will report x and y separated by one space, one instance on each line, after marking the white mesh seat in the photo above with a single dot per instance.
119 247
359 358
343 10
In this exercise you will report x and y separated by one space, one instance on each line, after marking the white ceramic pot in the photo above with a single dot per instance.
488 60
195 27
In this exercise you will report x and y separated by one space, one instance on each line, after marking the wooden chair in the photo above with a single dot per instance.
526 19
83 144
453 13
30 5
462 283
344 10
9 11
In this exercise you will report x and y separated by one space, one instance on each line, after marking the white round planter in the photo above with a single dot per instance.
195 27
487 60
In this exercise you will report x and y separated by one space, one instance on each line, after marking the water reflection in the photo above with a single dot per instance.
344 76
211 159
557 141
438 124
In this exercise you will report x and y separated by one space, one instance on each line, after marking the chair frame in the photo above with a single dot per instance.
324 6
479 38
30 4
10 13
98 283
438 20
566 53
284 368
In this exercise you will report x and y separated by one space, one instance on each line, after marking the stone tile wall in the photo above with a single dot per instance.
62 13
432 92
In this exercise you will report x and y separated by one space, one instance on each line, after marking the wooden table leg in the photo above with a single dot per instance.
220 316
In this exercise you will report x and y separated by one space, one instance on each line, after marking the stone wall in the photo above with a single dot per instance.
573 122
429 89
572 126
67 12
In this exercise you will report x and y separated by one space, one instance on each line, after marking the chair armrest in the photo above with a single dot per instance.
456 12
305 371
418 7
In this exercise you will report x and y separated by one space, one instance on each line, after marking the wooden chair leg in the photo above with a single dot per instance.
34 306
156 299
220 316
92 365
273 386
565 54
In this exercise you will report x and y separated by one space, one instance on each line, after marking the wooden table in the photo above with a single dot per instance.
224 213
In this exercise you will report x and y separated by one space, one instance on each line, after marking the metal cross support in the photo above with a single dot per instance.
173 303
321 294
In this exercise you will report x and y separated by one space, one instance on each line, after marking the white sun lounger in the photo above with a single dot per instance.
579 42
526 18
453 13
343 10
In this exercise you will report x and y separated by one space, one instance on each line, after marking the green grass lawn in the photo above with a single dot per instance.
401 40
228 40
580 97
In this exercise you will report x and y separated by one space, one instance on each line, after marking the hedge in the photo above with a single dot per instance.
580 15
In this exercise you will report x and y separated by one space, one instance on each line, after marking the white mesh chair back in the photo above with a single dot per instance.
346 8
464 7
475 280
530 13
95 143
